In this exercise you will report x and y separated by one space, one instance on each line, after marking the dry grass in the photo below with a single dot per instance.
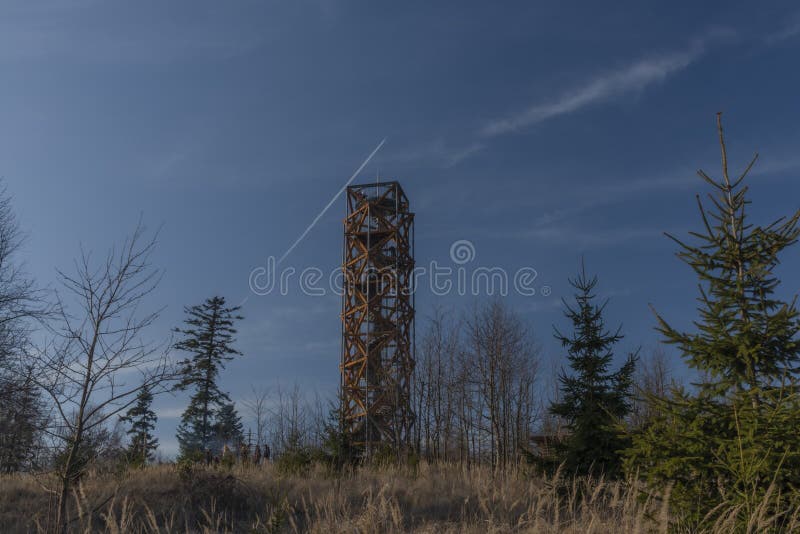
432 499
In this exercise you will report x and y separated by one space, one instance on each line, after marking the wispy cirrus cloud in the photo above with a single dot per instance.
457 156
788 31
606 86
632 78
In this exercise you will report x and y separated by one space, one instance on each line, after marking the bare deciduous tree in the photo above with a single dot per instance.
504 363
257 407
21 305
98 360
291 420
435 388
653 379
474 393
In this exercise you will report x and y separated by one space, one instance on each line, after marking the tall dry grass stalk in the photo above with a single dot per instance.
432 498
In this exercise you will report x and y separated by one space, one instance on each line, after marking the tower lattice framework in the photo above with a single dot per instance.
378 316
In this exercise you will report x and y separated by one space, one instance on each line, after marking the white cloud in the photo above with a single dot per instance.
632 78
790 30
776 166
456 157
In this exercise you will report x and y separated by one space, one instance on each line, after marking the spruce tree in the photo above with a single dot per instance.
338 449
142 420
209 339
595 400
228 426
730 444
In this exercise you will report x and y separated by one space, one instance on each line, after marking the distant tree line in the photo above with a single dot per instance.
474 388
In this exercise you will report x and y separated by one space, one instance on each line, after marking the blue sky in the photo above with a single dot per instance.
539 132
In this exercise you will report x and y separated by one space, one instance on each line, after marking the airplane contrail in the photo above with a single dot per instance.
319 216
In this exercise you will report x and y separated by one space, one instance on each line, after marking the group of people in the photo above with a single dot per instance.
260 455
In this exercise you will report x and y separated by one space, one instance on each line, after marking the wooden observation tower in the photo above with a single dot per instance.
377 317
